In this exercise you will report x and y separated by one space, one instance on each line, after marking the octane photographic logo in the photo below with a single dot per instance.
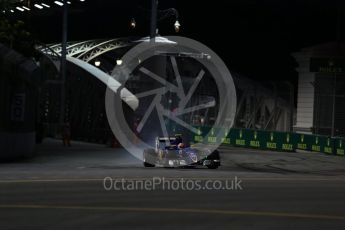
157 111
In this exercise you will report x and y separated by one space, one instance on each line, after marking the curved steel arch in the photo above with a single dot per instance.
74 48
108 80
57 47
48 50
105 47
50 54
81 47
88 50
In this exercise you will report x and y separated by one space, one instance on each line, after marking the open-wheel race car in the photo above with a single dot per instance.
172 152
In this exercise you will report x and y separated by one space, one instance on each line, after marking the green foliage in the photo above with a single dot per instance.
15 36
4 4
13 33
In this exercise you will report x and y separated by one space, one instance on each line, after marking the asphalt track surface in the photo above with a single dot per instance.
64 188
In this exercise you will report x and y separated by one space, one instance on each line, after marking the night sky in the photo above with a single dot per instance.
254 38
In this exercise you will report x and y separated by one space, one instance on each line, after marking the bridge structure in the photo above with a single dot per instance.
266 106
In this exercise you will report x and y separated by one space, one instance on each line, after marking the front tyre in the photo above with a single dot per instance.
149 156
212 166
148 165
215 160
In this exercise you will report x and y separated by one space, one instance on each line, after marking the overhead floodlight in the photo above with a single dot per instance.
82 0
20 9
177 26
58 3
38 6
26 8
12 11
68 2
133 23
97 63
45 5
119 62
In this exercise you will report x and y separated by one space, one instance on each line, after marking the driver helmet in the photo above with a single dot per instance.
181 145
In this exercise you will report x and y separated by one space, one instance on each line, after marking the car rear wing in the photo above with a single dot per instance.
162 139
174 138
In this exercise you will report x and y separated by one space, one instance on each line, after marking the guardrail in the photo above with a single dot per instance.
270 140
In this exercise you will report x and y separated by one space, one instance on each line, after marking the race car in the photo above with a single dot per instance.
172 152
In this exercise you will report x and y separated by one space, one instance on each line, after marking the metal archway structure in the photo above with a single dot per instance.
81 53
88 50
83 108
258 107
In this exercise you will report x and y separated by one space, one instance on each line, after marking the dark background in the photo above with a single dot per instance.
255 38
